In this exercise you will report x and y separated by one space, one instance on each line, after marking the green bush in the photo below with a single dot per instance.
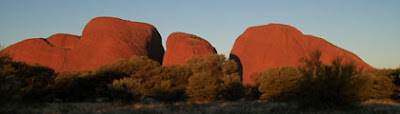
4 57
223 82
252 92
127 89
278 83
329 85
137 67
230 67
140 66
174 80
24 83
202 87
396 78
167 85
87 85
73 86
381 87
386 83
231 88
211 64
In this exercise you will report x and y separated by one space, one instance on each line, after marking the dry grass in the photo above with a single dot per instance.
218 107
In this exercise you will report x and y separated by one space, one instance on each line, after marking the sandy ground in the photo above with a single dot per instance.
218 107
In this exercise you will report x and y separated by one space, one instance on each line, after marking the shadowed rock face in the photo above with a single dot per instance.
182 46
262 47
104 40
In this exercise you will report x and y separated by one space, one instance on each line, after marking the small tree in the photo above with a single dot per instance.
73 86
202 87
25 83
278 83
137 67
230 67
173 82
127 89
211 64
231 88
329 85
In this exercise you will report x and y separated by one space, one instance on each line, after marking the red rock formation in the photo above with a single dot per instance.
37 50
182 46
262 47
104 40
63 40
330 52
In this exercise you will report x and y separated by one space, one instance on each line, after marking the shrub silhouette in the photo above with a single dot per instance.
278 83
329 85
396 80
73 86
137 67
252 92
105 81
209 78
24 83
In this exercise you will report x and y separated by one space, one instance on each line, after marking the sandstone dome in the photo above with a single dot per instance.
181 46
104 40
273 45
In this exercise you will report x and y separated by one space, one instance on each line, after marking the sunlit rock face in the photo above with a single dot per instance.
181 46
272 45
104 40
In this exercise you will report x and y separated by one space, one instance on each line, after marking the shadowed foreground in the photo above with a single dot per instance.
151 106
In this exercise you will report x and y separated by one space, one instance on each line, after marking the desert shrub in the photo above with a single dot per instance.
174 79
137 67
396 81
231 88
103 81
379 87
278 83
225 82
168 84
202 87
386 80
211 64
20 82
73 86
230 67
328 85
127 89
4 57
24 83
252 92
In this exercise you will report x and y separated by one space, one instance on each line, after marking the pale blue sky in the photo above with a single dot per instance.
369 28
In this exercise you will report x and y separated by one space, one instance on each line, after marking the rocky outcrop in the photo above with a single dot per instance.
181 46
67 41
262 47
104 40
